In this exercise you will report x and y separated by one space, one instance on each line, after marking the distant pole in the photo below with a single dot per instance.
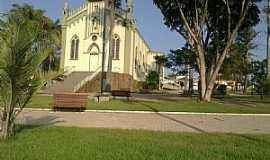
268 40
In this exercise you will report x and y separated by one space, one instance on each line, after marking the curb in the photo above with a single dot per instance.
169 113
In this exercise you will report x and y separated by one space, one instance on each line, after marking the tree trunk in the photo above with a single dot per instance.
159 72
245 84
209 91
190 81
202 73
7 127
110 57
268 40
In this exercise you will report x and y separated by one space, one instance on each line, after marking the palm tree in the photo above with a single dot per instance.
54 34
25 43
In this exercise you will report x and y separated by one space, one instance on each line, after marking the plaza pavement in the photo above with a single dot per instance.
176 122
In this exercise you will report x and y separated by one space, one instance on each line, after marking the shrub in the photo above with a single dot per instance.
152 80
221 90
266 88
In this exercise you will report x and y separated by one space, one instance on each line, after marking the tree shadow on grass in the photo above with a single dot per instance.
252 138
30 122
237 102
199 130
245 102
157 97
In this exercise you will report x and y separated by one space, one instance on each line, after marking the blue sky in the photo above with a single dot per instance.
149 21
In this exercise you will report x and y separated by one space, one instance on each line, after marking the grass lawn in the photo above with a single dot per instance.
56 143
227 105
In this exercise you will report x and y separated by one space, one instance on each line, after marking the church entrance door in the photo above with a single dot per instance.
93 62
94 57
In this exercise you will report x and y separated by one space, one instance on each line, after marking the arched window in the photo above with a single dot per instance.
116 47
136 57
74 52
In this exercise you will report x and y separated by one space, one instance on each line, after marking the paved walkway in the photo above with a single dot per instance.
199 123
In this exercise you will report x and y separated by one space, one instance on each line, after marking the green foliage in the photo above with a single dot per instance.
259 71
25 42
161 61
221 90
152 80
180 59
237 65
210 27
216 11
266 87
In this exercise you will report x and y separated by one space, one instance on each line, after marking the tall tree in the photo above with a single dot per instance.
268 40
238 61
53 60
183 61
210 27
259 74
25 43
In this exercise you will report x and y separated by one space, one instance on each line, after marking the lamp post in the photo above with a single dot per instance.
102 79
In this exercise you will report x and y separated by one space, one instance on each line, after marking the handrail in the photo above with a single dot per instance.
68 70
87 79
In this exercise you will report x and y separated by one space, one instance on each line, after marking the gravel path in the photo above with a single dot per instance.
198 123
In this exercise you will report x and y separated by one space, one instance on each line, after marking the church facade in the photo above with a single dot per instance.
91 44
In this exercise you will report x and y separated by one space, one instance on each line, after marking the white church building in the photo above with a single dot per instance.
91 46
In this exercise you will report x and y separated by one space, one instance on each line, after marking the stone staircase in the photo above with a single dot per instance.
68 84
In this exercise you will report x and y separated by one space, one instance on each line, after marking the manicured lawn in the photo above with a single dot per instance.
40 102
55 143
227 105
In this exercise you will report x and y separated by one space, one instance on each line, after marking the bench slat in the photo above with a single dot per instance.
69 100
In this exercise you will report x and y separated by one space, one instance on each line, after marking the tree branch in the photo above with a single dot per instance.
207 39
230 40
226 2
197 17
204 17
243 6
1 112
186 23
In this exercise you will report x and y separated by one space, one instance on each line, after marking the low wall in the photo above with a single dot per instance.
118 81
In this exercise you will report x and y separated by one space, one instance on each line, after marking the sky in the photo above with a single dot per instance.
149 21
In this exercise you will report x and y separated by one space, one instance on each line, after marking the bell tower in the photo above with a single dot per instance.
64 33
130 30
130 17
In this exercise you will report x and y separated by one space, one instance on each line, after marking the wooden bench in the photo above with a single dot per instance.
69 101
121 93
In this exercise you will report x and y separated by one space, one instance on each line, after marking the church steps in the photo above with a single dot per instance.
69 83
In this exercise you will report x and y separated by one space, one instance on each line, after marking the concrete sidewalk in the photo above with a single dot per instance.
199 123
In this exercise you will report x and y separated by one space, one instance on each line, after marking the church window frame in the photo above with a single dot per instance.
74 49
116 42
